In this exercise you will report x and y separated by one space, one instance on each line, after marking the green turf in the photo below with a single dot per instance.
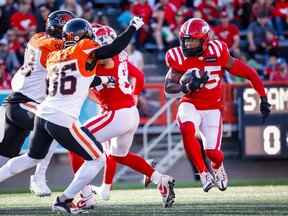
245 200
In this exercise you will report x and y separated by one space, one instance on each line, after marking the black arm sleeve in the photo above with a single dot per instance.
115 47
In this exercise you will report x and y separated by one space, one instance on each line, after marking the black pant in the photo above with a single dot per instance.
76 139
18 124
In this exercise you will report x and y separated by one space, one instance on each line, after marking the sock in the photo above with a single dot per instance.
86 191
84 176
192 146
3 160
136 162
16 165
216 157
110 170
76 161
156 176
42 166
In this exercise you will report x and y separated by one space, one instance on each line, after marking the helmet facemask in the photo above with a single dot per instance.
191 47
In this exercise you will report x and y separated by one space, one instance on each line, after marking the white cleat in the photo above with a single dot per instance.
86 202
221 178
103 191
39 187
166 189
207 181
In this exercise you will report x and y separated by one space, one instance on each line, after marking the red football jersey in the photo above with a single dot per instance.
213 61
120 96
226 33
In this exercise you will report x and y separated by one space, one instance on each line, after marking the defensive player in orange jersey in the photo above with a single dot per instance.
117 124
203 60
28 90
70 75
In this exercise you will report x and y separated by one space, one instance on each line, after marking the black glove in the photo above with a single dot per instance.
195 83
103 80
264 108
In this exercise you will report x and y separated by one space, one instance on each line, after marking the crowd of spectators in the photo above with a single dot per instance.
253 30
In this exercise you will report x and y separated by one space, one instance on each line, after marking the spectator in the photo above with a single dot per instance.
4 24
242 13
261 6
13 40
126 15
280 14
229 33
279 72
23 20
42 15
142 8
261 35
101 19
9 57
135 56
88 13
5 79
73 6
209 10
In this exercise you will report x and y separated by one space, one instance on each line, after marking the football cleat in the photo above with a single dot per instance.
147 180
86 202
103 191
166 189
207 181
39 187
66 207
221 178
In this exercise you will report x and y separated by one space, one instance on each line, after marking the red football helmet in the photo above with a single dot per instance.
104 34
194 28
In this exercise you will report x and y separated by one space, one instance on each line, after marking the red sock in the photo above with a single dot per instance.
76 161
136 162
192 146
109 170
216 156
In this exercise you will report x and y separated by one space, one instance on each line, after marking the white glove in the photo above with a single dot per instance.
137 22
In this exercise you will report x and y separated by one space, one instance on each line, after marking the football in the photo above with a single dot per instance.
187 77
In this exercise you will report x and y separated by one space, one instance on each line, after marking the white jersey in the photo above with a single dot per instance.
30 79
68 85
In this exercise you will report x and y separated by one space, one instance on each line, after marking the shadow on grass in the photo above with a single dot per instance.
223 208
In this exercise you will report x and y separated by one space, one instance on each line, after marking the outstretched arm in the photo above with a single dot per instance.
239 68
117 45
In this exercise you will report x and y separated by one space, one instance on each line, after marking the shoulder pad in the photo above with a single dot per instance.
175 58
217 48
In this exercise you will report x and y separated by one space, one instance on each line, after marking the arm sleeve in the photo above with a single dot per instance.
139 76
115 47
243 70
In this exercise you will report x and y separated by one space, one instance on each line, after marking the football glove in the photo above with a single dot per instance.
264 108
195 83
137 22
109 81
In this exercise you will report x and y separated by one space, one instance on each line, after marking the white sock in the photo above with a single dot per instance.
3 160
42 166
106 186
86 191
84 176
16 165
156 177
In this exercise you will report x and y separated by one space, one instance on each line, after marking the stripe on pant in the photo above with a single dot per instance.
85 142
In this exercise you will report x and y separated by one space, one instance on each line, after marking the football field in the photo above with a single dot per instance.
237 200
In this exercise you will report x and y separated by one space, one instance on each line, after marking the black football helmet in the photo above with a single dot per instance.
75 30
55 22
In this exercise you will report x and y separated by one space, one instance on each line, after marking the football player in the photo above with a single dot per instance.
117 124
28 90
203 60
70 73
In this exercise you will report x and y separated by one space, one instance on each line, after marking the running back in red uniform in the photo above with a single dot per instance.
213 61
